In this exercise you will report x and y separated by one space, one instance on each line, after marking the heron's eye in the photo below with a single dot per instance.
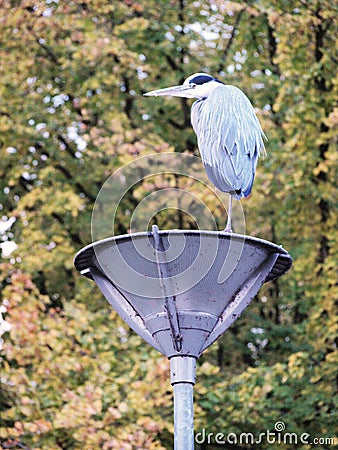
192 85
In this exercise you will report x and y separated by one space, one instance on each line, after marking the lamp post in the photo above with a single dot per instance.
180 290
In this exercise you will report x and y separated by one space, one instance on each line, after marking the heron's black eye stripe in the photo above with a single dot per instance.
201 79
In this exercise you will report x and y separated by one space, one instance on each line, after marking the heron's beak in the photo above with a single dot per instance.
175 91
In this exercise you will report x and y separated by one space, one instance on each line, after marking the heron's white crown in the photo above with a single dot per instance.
201 84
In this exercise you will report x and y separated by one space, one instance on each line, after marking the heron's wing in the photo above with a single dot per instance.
230 138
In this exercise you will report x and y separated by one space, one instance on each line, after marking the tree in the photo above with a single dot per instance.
71 113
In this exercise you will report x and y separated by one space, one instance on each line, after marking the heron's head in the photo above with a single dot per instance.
198 85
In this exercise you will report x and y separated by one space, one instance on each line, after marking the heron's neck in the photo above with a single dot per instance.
204 90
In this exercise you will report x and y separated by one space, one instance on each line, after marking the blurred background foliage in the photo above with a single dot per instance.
73 376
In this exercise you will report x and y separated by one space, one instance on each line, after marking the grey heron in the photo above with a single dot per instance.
229 135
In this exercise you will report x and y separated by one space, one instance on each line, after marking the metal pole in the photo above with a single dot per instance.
182 377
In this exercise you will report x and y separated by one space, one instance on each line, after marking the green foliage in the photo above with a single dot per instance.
72 112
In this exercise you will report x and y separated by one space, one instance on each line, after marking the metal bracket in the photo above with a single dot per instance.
182 369
167 290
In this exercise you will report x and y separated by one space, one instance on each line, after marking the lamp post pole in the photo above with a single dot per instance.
182 378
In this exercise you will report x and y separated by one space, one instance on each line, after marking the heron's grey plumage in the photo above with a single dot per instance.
229 135
230 138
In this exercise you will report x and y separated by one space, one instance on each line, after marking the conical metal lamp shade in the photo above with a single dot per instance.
180 290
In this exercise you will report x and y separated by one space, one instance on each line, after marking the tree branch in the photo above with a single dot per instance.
48 50
230 41
272 49
68 174
74 236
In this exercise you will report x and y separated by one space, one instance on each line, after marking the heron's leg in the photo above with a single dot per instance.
228 225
